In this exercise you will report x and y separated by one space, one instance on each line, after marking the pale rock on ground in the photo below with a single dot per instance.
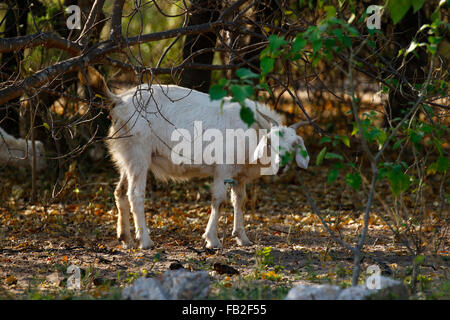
174 285
313 292
145 289
389 289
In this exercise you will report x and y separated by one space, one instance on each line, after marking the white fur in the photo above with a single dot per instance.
143 120
13 151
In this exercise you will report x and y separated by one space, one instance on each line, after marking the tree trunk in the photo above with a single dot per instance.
15 25
205 11
413 70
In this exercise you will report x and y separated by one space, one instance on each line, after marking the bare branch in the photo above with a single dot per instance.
47 39
116 20
96 8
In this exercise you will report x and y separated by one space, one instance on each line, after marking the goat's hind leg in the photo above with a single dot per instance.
123 208
238 199
219 195
136 193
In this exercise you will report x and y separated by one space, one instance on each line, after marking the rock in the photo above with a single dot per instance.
389 289
55 278
182 284
174 285
354 293
145 289
313 292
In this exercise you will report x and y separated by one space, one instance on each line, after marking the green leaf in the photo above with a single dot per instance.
397 9
354 180
247 115
419 259
317 44
266 87
329 43
416 136
417 4
245 73
443 164
355 130
399 181
241 92
345 140
223 82
217 92
353 31
267 64
325 140
337 33
432 168
299 44
398 143
331 155
303 153
331 11
347 41
286 158
275 42
432 48
321 156
332 175
381 137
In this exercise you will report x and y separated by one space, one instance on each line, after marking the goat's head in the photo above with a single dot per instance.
284 145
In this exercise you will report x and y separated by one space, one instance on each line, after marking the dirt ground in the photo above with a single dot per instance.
38 242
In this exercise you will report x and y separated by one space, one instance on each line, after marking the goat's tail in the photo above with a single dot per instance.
98 83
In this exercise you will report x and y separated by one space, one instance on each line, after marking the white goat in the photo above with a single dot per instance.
143 121
19 152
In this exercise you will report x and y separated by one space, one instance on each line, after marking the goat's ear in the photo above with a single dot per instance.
301 161
96 81
94 78
260 150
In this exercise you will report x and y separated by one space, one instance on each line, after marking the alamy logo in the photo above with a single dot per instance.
374 20
74 280
267 148
74 19
374 280
230 149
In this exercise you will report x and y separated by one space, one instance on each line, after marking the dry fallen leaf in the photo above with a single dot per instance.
11 280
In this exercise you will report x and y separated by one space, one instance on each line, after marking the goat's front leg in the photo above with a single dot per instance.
136 194
238 199
219 195
123 208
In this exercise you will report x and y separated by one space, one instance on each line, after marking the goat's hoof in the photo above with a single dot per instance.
212 243
241 238
126 245
125 241
243 241
146 243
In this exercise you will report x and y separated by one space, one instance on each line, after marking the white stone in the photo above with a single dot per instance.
145 289
313 292
175 285
328 292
